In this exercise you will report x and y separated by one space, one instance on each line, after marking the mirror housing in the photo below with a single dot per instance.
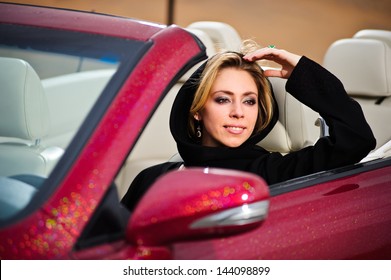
198 203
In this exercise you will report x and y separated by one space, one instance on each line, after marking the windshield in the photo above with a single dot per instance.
51 80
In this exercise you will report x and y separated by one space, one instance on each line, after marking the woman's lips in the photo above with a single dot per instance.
234 129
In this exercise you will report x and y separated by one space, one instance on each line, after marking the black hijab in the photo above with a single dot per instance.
193 153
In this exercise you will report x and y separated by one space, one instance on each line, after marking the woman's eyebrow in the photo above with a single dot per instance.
231 93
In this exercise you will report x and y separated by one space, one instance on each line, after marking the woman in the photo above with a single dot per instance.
227 107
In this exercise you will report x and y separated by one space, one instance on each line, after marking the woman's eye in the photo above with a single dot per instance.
221 100
250 101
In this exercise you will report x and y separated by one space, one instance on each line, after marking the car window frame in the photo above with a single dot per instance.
314 179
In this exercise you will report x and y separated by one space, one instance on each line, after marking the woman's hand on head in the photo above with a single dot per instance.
287 60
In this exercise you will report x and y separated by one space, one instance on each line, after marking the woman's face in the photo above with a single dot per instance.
231 111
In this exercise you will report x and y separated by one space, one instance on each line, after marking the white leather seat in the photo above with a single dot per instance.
364 67
24 120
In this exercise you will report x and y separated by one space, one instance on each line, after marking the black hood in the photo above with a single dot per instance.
191 151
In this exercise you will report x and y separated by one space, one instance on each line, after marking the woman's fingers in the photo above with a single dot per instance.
273 73
287 60
279 56
264 53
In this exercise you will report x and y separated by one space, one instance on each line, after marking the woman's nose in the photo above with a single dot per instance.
236 111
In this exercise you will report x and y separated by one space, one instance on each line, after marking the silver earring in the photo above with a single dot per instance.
198 133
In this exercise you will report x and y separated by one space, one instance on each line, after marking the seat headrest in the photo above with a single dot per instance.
222 34
381 35
24 111
363 66
215 36
205 39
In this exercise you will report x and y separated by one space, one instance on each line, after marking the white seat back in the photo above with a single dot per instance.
70 97
296 127
24 121
364 67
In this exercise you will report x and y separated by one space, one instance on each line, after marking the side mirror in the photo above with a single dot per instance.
198 203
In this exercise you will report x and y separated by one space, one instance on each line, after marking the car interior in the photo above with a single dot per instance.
42 126
45 116
298 126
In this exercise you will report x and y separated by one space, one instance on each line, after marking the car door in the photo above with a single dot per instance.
339 214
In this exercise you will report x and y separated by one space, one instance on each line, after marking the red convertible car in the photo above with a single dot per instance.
84 107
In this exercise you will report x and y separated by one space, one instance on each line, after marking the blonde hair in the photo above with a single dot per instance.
229 59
